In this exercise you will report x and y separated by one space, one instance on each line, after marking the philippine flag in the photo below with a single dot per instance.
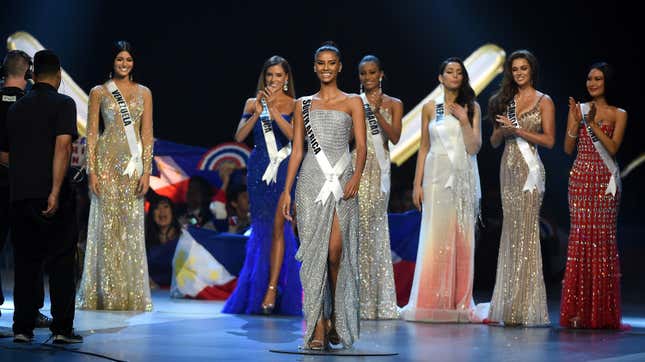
206 264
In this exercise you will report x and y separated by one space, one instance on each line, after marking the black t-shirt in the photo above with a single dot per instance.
8 96
33 123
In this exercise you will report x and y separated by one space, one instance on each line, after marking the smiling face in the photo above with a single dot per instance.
123 64
163 214
596 83
327 66
521 70
370 75
452 76
275 77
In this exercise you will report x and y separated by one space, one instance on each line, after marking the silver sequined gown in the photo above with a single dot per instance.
377 293
519 296
332 129
115 271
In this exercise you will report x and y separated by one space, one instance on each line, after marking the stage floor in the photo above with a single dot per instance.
191 330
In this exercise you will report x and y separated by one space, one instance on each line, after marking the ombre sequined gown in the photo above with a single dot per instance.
253 280
591 286
377 294
442 290
115 272
332 129
519 297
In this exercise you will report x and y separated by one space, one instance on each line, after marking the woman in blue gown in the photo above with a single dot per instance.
269 281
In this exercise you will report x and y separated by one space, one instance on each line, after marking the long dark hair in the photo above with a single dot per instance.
152 229
608 74
277 60
466 95
118 47
508 88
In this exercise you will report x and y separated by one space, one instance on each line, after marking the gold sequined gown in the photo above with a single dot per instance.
377 292
115 272
519 297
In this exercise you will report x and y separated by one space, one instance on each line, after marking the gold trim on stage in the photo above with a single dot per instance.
24 41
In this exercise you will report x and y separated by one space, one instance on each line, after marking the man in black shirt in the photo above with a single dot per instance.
40 129
15 71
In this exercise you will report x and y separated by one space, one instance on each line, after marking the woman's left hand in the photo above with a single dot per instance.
506 124
351 187
144 184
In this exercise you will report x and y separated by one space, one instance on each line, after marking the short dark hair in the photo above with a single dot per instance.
46 62
16 63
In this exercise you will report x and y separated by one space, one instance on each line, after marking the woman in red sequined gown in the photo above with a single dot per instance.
591 286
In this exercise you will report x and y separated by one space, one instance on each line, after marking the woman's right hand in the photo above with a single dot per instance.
574 110
258 102
417 196
285 206
93 183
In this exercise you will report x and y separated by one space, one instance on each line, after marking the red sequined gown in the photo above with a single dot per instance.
591 286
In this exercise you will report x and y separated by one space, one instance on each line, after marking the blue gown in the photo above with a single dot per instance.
254 277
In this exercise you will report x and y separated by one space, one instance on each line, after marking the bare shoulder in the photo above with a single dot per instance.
144 89
392 100
429 106
97 90
619 112
354 100
544 99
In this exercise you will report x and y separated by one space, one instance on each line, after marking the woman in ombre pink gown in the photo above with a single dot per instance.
450 193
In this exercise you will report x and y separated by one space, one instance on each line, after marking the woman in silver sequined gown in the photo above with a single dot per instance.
115 272
519 297
377 293
327 226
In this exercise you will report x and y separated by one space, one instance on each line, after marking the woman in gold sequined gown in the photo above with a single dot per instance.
519 297
115 273
377 292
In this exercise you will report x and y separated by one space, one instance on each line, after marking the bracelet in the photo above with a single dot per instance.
570 136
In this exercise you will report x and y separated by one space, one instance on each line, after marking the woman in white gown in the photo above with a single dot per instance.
446 184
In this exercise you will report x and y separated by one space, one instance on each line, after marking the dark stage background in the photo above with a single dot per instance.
201 61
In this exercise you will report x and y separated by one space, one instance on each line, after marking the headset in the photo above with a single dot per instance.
14 53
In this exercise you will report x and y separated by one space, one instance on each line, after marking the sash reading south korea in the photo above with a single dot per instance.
135 164
614 181
332 174
275 157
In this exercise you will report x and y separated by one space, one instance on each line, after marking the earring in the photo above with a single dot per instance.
361 88
110 75
285 87
380 84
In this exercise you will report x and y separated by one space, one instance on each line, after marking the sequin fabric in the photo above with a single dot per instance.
332 129
377 294
519 297
253 279
115 272
442 290
591 286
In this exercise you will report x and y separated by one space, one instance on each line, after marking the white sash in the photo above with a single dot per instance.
447 145
614 181
377 142
533 178
275 156
332 183
136 163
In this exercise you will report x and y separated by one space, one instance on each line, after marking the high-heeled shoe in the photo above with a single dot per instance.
317 345
268 308
332 334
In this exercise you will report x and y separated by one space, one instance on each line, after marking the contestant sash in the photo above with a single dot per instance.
377 141
332 174
447 145
614 181
275 156
530 157
135 164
